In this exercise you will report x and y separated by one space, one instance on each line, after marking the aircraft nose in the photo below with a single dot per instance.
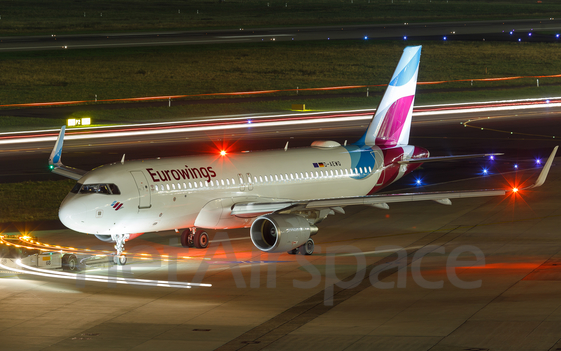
67 213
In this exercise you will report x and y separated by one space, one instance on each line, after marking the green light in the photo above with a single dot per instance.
51 167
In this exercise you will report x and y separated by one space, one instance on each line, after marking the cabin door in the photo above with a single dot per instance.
144 196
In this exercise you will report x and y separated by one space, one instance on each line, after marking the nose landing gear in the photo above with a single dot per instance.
119 240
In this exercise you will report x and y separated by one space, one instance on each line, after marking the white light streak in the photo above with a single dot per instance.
255 118
102 279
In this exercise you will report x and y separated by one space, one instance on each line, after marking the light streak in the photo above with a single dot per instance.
234 122
102 279
167 97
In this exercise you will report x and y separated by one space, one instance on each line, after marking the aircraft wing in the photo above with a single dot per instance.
446 158
55 160
248 209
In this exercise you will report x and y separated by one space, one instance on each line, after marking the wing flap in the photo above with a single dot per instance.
446 158
405 197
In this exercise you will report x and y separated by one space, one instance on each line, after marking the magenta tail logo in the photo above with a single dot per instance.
394 121
117 205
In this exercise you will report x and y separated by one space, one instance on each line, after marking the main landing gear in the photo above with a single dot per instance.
194 238
119 240
306 249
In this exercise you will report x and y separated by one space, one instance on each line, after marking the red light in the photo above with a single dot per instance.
514 190
223 153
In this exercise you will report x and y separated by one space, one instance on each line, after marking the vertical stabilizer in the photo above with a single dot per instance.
392 122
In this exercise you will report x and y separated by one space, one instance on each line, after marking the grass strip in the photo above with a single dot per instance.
183 70
32 201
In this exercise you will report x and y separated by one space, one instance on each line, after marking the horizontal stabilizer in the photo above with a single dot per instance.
446 158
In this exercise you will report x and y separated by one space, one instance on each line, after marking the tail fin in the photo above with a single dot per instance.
392 122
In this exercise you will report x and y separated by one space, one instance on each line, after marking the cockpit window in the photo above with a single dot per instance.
76 188
109 189
114 189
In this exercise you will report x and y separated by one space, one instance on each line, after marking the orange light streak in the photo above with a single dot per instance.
237 93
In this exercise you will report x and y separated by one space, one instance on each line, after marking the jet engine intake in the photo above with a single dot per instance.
280 232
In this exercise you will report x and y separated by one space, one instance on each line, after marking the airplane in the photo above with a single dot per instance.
281 195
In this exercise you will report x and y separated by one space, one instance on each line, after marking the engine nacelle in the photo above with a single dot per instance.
109 239
280 232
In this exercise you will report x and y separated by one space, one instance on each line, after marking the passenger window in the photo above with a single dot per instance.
261 179
266 179
206 184
233 181
195 184
211 183
291 176
167 186
227 181
190 186
306 174
173 186
276 178
222 181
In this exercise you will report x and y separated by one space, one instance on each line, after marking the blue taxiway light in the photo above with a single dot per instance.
444 38
365 37
404 38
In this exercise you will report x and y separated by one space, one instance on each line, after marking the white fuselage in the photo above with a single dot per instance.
184 192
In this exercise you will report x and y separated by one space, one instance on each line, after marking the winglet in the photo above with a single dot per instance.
545 170
55 160
56 154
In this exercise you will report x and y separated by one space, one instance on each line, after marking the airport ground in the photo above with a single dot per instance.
275 302
280 302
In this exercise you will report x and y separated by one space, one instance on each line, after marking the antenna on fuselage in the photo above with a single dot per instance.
123 160
345 144
286 146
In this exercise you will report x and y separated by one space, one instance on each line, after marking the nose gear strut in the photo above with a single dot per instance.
119 240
